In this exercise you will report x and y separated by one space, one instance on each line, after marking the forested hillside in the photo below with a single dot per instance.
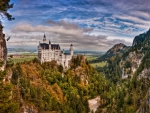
47 88
131 73
117 49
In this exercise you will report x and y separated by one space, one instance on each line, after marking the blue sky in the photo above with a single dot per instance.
87 24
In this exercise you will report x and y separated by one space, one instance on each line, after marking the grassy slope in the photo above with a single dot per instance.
25 57
99 64
95 64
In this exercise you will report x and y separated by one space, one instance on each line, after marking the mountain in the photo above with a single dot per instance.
131 72
116 49
134 59
17 50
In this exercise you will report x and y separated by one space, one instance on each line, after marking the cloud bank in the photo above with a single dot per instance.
64 33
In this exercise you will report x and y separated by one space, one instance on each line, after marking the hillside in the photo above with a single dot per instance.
117 49
47 88
131 70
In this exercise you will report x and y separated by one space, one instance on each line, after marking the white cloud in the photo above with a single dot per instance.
63 33
134 19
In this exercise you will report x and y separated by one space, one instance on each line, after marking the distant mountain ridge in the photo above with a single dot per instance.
21 50
139 40
76 52
116 49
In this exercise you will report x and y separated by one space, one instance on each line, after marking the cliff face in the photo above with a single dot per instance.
3 49
137 58
134 60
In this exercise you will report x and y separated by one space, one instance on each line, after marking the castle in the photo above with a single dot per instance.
48 52
3 49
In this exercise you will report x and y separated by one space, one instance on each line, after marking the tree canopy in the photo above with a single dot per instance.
4 7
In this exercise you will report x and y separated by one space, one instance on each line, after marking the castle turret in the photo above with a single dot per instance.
44 39
71 50
49 44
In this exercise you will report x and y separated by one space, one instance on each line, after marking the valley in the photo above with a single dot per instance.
119 83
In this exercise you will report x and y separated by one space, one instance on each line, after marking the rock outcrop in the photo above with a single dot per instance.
28 109
3 50
135 60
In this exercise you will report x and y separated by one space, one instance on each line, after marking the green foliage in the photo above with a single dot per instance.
2 75
1 63
44 87
130 95
113 70
4 7
6 104
127 64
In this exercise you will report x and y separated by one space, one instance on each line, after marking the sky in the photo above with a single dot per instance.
94 25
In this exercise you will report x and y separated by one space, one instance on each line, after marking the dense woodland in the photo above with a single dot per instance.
44 88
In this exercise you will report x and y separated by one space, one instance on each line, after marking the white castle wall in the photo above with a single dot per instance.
47 55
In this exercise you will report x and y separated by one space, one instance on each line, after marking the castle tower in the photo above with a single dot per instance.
49 44
71 50
44 39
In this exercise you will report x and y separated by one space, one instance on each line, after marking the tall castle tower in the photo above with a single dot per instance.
71 50
3 49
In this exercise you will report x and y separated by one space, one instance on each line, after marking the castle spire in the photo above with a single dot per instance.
44 39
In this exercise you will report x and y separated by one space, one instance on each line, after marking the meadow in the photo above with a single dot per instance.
31 56
24 57
97 64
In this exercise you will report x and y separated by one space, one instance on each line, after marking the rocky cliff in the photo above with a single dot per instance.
131 73
138 56
3 49
133 61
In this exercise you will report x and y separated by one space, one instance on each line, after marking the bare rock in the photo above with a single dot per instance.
3 49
